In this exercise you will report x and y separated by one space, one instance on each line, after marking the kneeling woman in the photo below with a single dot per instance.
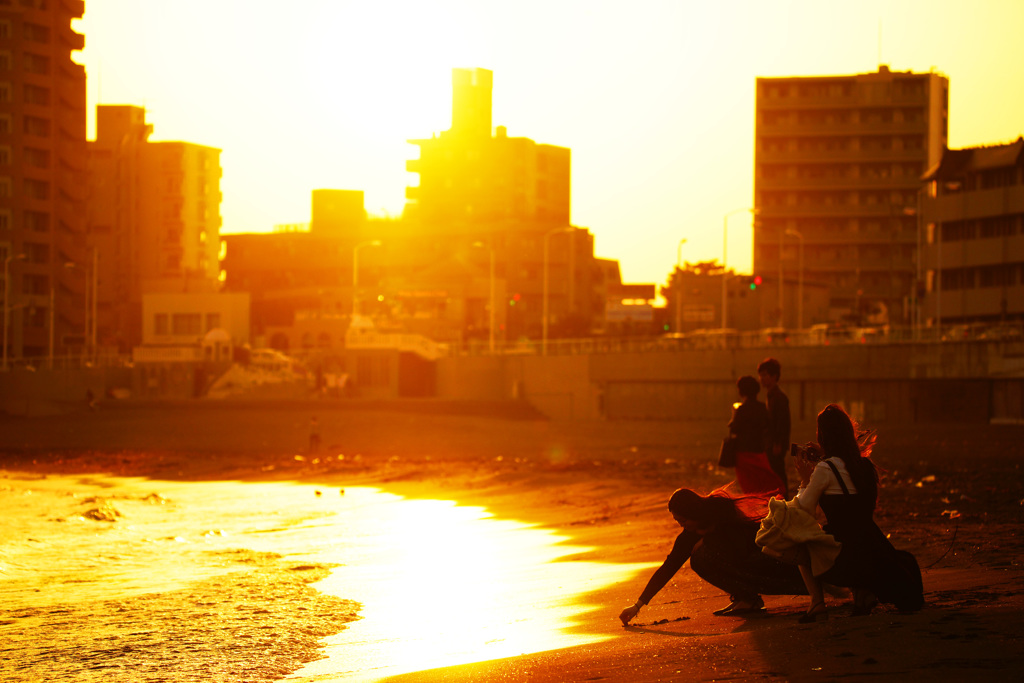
841 478
718 539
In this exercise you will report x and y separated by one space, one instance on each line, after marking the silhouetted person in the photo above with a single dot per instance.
779 424
838 475
314 435
749 430
718 540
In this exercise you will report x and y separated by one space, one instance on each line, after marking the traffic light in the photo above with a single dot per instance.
751 282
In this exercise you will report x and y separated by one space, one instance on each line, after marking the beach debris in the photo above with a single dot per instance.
300 458
953 514
154 498
316 461
214 532
106 512
928 478
318 493
342 491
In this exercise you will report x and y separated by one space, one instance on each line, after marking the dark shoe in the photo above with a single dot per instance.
817 611
863 602
739 608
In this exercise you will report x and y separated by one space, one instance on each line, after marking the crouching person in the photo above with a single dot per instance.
718 540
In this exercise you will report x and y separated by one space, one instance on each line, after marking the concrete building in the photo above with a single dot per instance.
154 219
837 165
42 168
511 196
973 216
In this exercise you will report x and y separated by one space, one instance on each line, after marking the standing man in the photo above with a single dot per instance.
778 418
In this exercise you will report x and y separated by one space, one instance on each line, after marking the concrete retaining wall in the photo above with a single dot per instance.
958 382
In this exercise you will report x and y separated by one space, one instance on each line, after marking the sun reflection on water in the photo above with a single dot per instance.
440 584
454 586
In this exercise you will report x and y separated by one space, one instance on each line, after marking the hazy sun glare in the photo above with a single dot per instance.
655 99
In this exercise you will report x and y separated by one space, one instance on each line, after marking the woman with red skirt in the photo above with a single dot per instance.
749 430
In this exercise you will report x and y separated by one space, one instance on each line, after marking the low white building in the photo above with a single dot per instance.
192 326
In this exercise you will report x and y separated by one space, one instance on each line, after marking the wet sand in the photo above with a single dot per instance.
951 494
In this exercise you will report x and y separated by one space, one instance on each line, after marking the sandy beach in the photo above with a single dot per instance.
954 495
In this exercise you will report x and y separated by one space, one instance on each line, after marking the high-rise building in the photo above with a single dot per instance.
154 219
469 175
973 217
42 168
837 166
479 186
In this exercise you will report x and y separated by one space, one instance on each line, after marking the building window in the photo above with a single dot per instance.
958 278
37 33
35 284
37 253
35 125
1002 275
5 92
40 158
36 95
37 221
5 123
36 64
37 189
212 321
5 186
5 155
186 324
5 219
160 323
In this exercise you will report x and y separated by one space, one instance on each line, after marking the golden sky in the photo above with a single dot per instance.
655 98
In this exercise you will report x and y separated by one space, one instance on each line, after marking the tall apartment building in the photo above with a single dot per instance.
154 219
42 168
837 166
974 236
468 174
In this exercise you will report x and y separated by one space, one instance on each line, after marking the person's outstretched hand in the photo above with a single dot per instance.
628 614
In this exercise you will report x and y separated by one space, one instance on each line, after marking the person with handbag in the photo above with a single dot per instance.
838 475
746 449
718 540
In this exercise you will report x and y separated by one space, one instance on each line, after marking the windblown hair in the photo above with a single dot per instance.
840 437
718 507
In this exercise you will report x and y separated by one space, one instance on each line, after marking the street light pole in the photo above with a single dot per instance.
679 287
800 281
95 293
544 313
355 272
490 248
7 292
725 260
